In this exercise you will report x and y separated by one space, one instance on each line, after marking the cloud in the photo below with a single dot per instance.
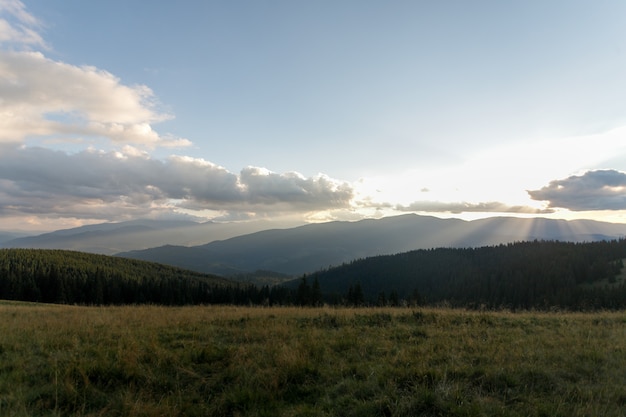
116 185
42 97
17 26
594 190
321 192
46 101
464 207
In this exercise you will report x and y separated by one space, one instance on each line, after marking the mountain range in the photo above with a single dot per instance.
9 236
111 238
231 249
312 247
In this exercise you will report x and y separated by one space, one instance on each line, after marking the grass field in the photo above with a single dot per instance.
228 361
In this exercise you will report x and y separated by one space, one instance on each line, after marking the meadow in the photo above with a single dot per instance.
237 361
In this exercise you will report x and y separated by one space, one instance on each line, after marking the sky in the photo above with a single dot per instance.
296 111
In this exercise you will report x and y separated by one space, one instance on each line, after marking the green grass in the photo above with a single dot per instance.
228 361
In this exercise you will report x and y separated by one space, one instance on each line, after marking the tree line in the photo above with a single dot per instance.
68 277
522 275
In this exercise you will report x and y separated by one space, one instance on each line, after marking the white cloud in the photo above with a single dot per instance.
320 192
465 207
17 26
42 97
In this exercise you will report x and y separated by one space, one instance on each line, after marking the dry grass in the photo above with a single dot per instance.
221 361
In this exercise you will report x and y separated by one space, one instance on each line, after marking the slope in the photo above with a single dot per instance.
309 248
537 274
60 276
111 238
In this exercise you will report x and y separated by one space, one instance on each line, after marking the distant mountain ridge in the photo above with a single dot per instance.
111 238
7 237
97 238
312 247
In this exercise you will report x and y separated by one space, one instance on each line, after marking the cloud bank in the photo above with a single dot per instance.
594 190
465 207
114 185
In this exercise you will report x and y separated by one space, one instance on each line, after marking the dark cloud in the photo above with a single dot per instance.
464 207
111 185
594 190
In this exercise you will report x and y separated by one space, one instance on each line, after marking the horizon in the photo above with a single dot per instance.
255 226
307 113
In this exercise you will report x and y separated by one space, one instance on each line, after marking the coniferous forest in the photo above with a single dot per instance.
524 275
68 277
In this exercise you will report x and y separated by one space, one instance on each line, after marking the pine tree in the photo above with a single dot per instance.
303 296
316 293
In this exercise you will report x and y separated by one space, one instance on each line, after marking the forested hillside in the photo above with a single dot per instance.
538 274
59 276
524 275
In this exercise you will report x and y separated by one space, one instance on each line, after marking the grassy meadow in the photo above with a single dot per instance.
233 361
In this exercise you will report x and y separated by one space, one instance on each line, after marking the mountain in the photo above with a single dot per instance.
105 238
111 238
312 247
8 236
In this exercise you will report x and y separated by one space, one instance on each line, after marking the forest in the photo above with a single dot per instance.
525 275
69 277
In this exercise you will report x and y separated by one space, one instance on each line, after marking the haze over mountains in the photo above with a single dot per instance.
228 249
312 247
111 238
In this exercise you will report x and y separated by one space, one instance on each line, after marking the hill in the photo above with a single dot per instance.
9 236
111 238
308 248
59 276
526 275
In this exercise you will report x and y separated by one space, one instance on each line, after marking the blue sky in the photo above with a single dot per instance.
310 111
